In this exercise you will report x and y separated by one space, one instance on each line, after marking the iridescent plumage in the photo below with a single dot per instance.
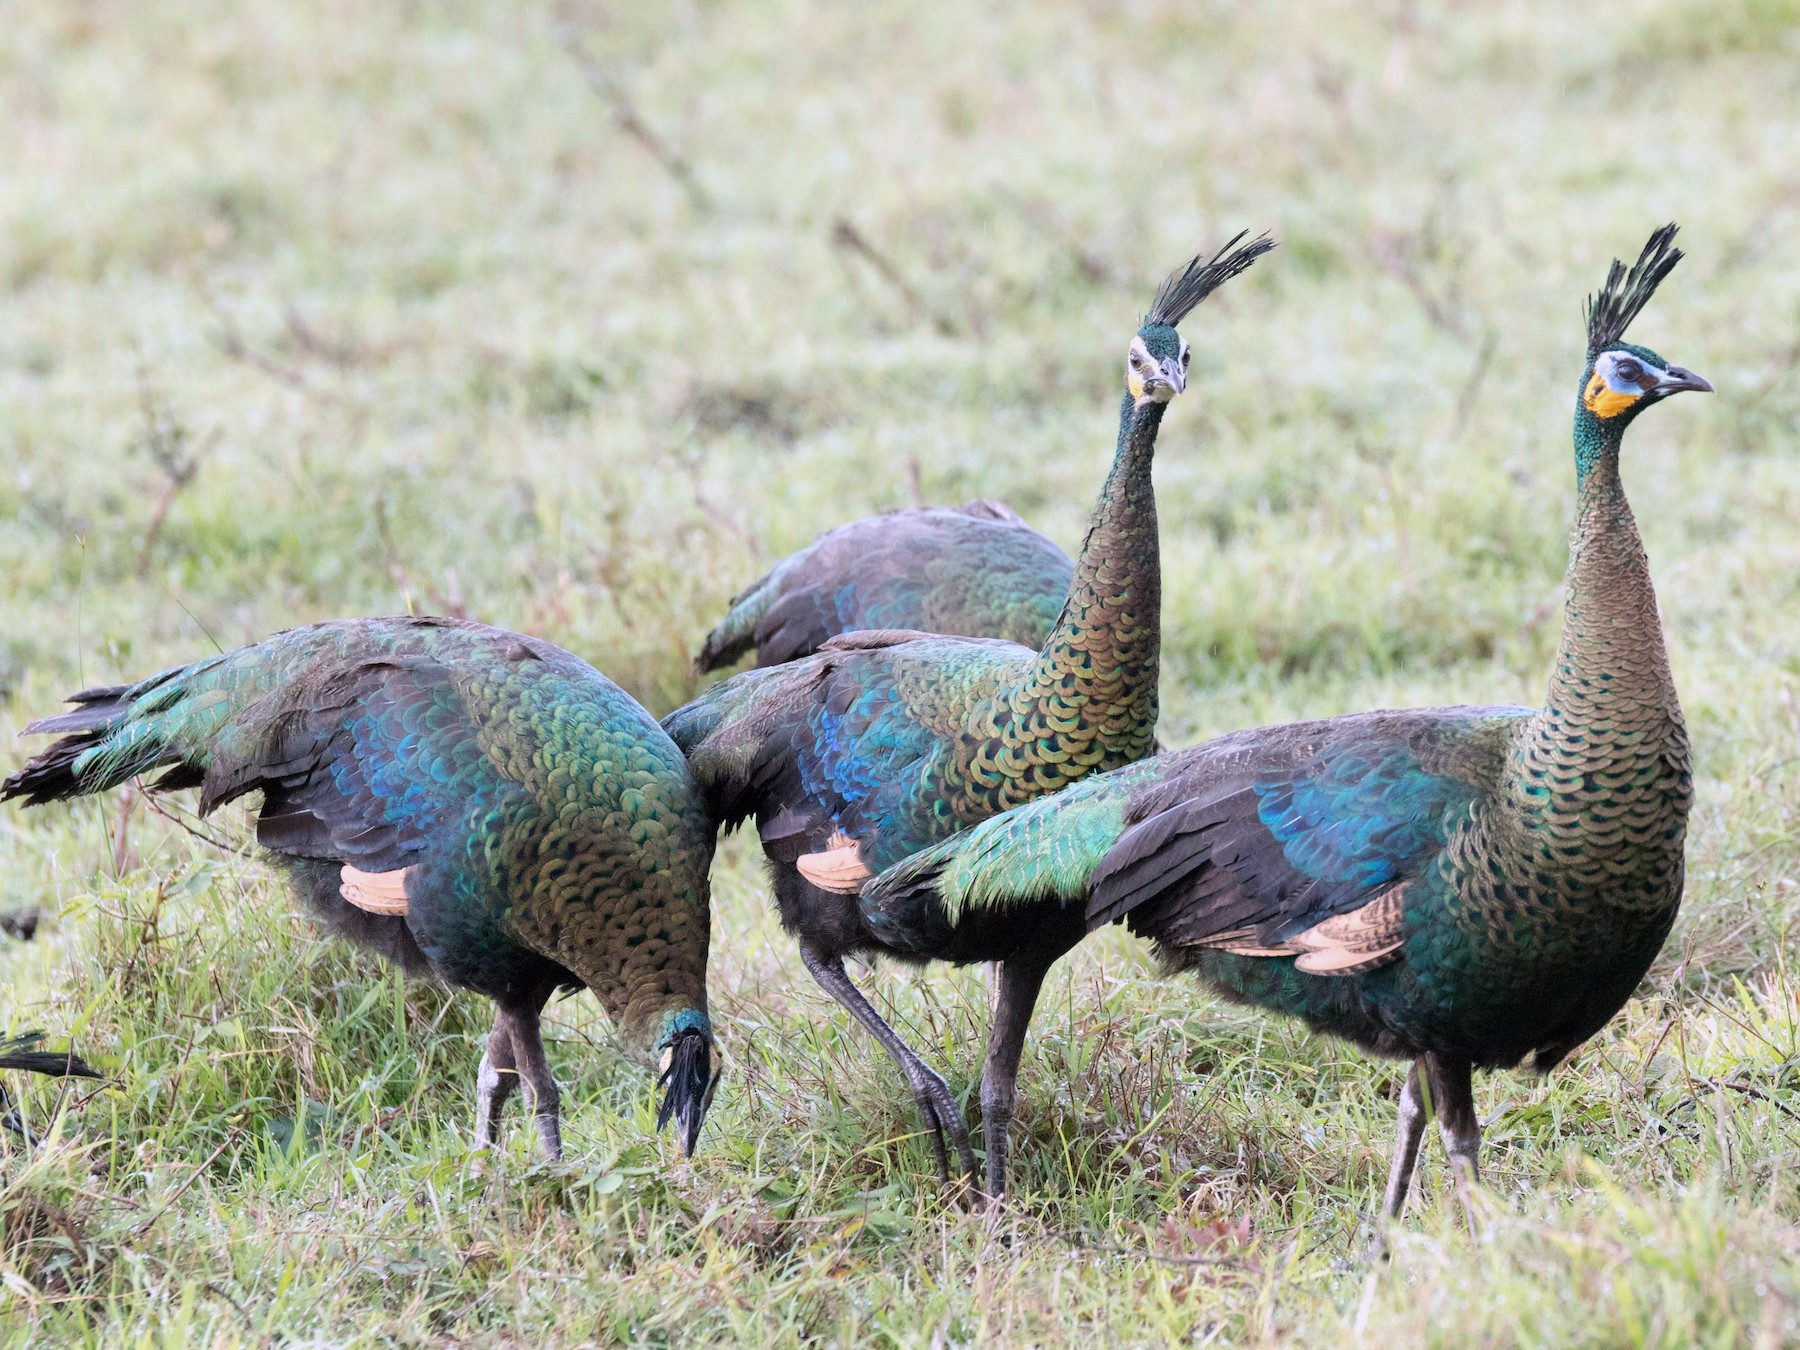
885 742
974 570
1466 887
518 821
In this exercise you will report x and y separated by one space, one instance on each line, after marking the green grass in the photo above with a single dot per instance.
383 305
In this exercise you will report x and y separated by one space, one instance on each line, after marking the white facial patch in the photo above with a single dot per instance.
1139 366
1627 374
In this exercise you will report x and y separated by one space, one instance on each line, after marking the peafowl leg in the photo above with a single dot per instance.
535 1075
1020 980
936 1103
1453 1099
495 1081
1406 1146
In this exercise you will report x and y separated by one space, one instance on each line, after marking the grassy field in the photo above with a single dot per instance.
573 319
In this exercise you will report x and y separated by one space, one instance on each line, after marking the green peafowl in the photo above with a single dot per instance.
477 806
1464 887
884 742
974 570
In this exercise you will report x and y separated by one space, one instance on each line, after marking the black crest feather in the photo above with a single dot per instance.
1176 299
1626 293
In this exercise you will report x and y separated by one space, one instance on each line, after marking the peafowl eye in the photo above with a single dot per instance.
1156 368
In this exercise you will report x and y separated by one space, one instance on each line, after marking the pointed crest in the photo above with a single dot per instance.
1183 290
1626 293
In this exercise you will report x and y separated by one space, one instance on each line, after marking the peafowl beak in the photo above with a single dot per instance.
1168 382
1676 380
688 1076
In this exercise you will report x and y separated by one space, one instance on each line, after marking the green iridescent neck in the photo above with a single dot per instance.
1120 554
1596 443
678 1020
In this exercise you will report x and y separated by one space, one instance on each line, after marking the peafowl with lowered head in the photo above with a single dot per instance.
477 806
1468 887
887 741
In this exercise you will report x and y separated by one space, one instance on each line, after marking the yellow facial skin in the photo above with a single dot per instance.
1150 380
1604 401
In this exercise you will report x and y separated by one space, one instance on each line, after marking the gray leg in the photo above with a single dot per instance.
535 1075
936 1104
495 1081
1453 1099
1406 1146
1020 981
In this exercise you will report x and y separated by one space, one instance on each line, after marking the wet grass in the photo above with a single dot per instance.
572 320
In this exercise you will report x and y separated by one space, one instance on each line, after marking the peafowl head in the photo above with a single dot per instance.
689 1082
1622 378
1156 367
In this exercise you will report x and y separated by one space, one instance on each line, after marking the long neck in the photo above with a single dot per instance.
1100 661
1609 744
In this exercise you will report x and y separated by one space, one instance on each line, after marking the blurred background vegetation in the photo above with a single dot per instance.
573 318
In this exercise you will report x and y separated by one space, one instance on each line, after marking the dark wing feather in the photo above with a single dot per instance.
354 732
973 571
836 741
1263 836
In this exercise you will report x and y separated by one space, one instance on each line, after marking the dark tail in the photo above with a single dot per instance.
52 775
736 633
20 1053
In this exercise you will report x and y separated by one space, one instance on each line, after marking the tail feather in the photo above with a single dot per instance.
21 1053
97 707
109 738
1045 850
736 633
82 764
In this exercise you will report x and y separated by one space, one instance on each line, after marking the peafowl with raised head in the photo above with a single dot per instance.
477 806
885 742
1469 887
975 570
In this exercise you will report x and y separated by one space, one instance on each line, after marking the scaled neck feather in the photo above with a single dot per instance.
1606 758
1099 663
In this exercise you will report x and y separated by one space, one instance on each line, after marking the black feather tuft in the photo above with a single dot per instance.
49 776
1193 283
21 1053
1626 293
690 1082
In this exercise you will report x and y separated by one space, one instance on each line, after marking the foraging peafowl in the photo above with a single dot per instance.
475 805
1465 887
974 570
885 742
